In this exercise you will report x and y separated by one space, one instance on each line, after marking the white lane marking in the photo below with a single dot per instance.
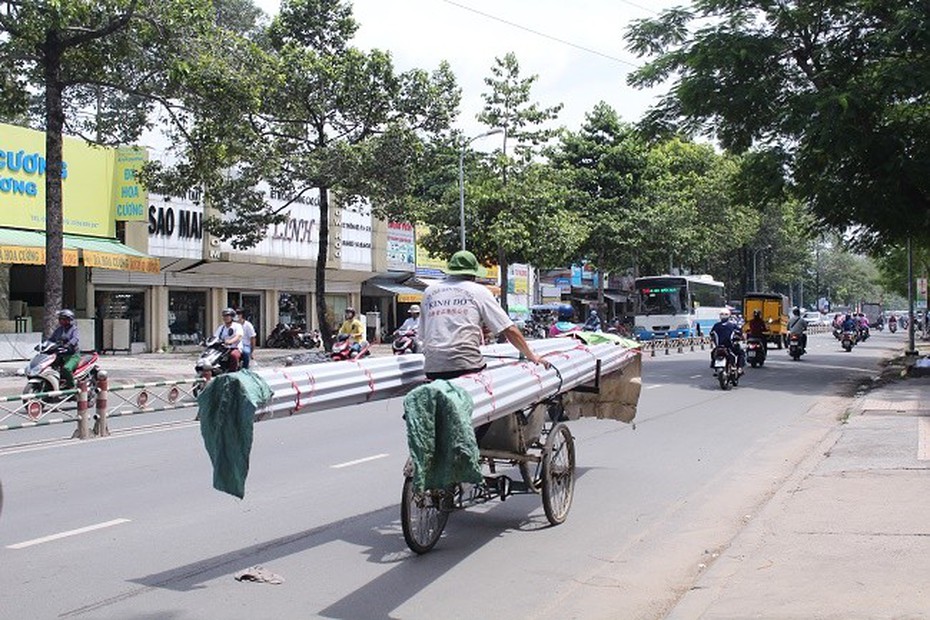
695 376
80 530
117 434
923 439
652 387
359 461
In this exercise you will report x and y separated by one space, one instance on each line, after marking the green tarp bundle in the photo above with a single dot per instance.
227 410
440 436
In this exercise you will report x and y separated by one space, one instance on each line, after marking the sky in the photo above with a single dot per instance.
470 34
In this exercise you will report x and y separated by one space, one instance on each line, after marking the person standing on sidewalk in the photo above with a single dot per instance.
248 337
453 312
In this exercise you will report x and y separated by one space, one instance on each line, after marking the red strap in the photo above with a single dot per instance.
371 379
296 391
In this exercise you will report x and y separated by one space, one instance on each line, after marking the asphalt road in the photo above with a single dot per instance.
129 526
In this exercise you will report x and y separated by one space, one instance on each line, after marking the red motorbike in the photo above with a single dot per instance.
346 349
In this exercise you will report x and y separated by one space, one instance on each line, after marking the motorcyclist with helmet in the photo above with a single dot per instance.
797 326
727 333
230 333
758 327
353 328
593 324
564 323
69 349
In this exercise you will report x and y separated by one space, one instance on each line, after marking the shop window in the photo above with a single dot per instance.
187 313
292 309
121 305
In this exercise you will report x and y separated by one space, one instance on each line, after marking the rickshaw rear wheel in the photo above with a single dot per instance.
558 474
423 517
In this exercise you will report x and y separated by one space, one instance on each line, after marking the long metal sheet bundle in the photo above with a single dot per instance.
503 387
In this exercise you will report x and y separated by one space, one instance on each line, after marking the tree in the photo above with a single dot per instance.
338 119
840 90
118 56
605 162
508 107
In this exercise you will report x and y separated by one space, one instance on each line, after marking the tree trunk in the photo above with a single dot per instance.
326 331
54 113
502 261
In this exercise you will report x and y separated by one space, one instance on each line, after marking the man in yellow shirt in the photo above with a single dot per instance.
353 327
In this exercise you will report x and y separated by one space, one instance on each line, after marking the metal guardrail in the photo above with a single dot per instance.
688 345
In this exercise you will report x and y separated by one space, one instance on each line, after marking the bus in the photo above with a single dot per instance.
677 306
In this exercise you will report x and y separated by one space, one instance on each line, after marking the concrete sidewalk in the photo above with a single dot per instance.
848 535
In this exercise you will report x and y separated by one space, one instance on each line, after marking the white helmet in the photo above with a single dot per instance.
414 309
724 315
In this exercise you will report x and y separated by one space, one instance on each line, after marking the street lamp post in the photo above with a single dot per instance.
462 179
755 286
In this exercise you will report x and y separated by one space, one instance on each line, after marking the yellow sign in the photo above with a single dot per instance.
86 179
28 255
429 266
409 298
121 262
130 198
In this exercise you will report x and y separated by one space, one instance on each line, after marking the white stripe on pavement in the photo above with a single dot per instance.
80 530
695 376
652 387
923 439
359 461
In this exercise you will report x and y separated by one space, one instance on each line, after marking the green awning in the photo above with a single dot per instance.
28 247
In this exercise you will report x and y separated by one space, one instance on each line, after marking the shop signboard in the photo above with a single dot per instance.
401 248
518 282
356 235
86 178
175 227
427 266
29 255
130 198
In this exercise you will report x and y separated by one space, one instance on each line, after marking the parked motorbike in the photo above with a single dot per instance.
343 349
311 340
215 359
43 373
725 368
755 351
848 340
795 350
405 342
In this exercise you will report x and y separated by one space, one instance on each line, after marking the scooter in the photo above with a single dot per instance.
311 340
343 349
848 340
405 342
755 351
725 368
215 359
892 326
43 373
795 350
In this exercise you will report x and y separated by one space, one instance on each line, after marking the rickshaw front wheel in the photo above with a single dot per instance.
422 517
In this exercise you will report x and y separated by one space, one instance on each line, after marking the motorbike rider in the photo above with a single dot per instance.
797 326
412 324
248 337
850 324
726 333
758 327
230 333
893 320
593 324
353 328
564 323
68 341
863 326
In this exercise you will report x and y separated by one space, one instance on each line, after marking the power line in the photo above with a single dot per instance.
544 35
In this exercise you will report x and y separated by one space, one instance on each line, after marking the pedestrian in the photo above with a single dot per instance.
248 337
453 313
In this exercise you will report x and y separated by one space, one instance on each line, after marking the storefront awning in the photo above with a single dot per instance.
405 294
25 247
617 297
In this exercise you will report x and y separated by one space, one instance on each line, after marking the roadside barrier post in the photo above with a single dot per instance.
100 425
703 343
82 431
692 344
680 346
666 345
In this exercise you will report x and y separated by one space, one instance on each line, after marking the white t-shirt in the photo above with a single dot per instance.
248 332
453 312
410 324
224 333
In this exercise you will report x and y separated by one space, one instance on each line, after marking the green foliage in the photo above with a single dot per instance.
841 90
